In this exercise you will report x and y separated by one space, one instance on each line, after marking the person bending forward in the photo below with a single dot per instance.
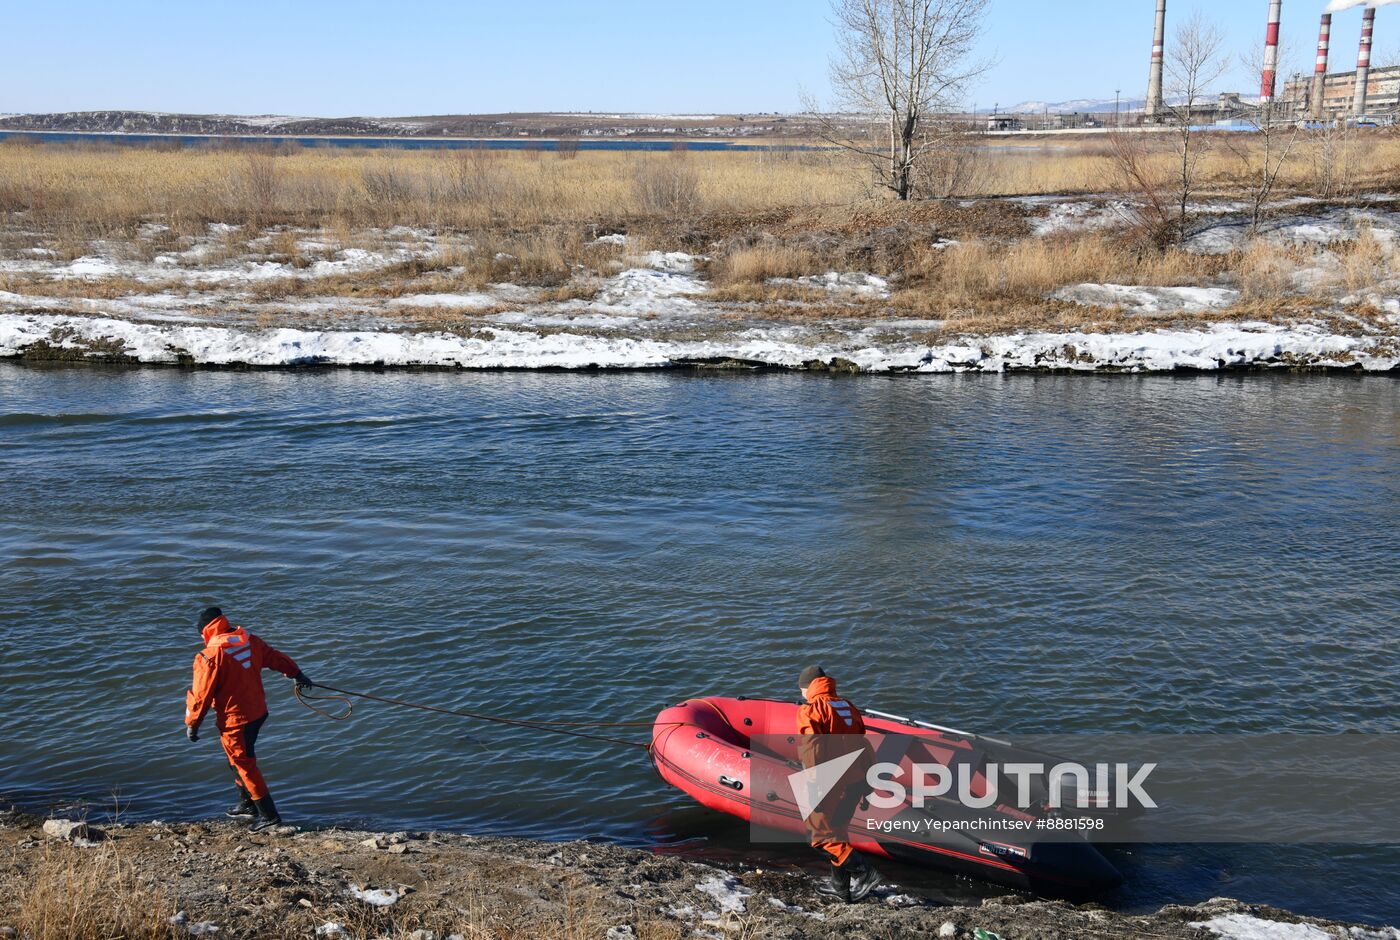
228 678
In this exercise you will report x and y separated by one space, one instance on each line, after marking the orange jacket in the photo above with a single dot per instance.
831 726
228 676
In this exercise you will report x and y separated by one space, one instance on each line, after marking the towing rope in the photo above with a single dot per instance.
558 727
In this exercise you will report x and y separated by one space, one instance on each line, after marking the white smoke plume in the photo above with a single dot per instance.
1336 6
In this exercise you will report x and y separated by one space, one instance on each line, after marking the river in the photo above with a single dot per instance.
1003 553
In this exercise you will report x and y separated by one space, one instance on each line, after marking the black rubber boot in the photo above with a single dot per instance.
838 883
267 815
863 877
244 809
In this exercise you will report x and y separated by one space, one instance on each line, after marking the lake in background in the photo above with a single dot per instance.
1001 553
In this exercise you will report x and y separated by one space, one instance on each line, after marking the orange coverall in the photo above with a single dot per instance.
832 727
228 678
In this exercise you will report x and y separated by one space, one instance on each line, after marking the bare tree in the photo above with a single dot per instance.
1264 153
1193 64
898 65
1162 169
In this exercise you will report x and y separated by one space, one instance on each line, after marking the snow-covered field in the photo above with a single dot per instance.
201 303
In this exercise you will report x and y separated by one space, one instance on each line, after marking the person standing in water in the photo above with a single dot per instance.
228 678
832 728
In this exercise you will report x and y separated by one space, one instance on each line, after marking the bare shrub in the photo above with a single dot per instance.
955 168
1135 170
1333 160
666 188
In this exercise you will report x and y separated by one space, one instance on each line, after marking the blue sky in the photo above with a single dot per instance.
355 57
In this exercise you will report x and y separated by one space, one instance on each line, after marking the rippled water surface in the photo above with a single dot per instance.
1048 554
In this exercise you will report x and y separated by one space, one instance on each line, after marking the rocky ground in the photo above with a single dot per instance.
216 879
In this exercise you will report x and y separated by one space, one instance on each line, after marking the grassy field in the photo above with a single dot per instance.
532 218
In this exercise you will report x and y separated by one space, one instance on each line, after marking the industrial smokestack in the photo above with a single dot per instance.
1324 42
1266 89
1363 62
1154 78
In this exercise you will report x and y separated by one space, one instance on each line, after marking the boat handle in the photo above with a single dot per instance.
733 783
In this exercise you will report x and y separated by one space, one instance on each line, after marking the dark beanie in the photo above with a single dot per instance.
206 615
808 674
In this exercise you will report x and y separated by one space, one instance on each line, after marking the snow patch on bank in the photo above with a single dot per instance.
727 891
674 261
1148 300
784 345
445 301
375 897
852 282
1249 927
644 287
1079 217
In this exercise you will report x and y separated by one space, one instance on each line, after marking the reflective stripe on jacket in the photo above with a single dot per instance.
831 727
228 676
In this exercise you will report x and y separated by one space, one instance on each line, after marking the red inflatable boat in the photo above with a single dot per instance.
719 750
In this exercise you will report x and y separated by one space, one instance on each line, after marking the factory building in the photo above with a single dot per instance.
1339 94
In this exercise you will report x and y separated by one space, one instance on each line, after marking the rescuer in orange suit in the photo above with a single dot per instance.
228 678
832 727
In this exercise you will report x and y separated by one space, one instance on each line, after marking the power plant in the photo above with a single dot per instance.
1366 95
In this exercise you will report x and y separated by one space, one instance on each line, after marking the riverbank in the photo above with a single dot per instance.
213 878
606 263
850 347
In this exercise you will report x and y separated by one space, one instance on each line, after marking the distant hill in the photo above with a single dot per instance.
1073 106
452 125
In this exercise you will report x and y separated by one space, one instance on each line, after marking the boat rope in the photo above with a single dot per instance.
558 727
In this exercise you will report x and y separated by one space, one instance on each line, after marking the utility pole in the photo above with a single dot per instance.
1116 93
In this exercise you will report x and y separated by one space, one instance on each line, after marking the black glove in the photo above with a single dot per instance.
192 732
303 681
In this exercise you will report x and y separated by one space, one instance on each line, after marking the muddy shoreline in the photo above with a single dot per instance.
184 879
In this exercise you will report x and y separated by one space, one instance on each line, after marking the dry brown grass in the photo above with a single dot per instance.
760 262
1363 263
92 191
981 273
92 894
99 191
1322 164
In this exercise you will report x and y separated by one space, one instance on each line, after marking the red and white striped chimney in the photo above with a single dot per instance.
1363 62
1324 42
1266 90
1154 78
